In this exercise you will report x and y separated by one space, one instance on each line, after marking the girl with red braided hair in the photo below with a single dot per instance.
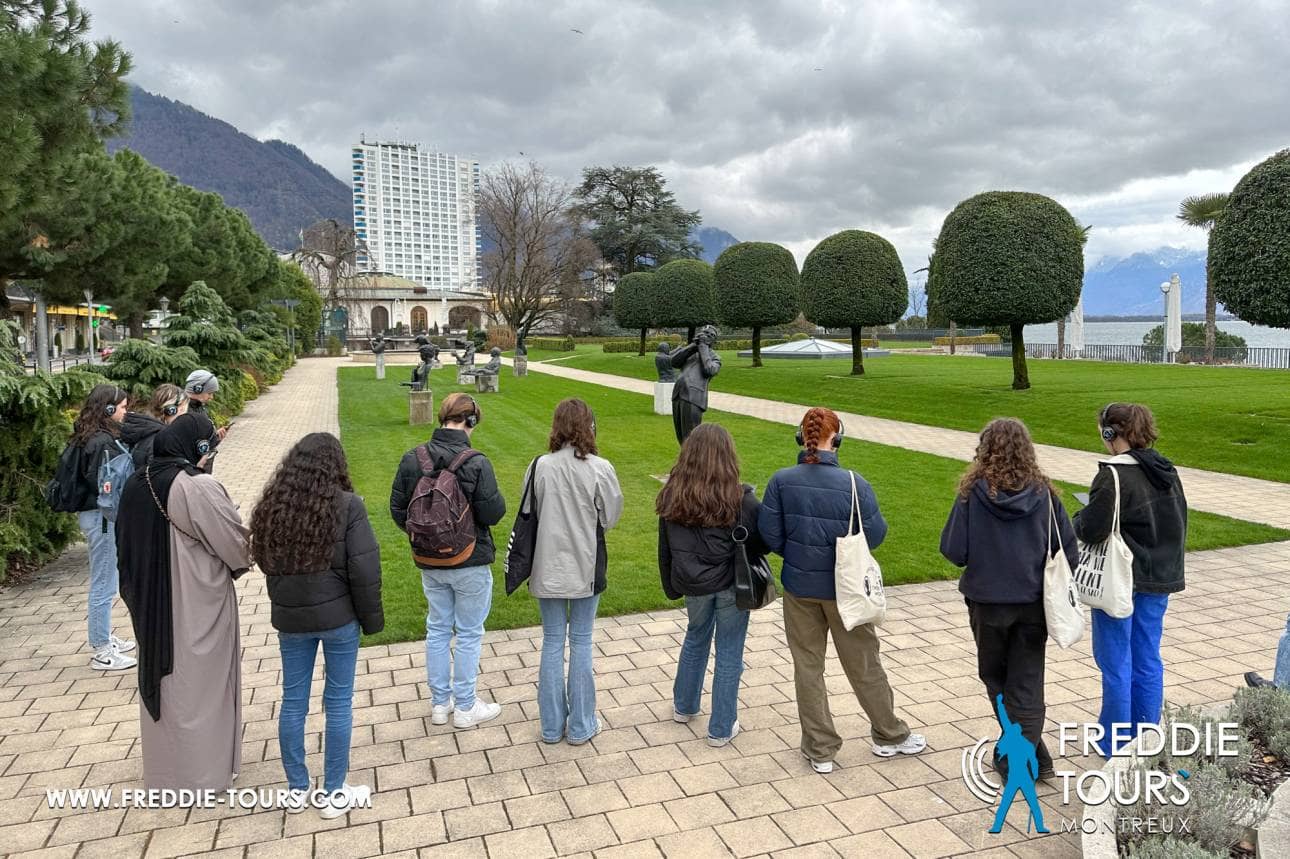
805 510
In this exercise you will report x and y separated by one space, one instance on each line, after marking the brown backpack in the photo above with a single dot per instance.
440 523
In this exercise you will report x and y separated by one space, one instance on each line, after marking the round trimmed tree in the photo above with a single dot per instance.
683 295
1249 247
1008 258
853 279
756 285
634 303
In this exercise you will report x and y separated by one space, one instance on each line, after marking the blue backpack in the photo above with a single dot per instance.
114 471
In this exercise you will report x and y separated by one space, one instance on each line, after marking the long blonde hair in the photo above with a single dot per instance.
1005 459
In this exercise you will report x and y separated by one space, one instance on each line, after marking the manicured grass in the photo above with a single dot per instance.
1218 418
914 489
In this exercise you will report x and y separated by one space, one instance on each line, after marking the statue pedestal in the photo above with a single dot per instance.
521 366
380 365
420 407
663 397
486 384
464 376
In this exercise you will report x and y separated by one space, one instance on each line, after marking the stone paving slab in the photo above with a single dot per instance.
646 786
1247 498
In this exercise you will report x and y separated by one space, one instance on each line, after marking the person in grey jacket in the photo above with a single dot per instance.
577 498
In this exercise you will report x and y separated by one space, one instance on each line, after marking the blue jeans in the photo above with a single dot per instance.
1281 675
709 614
103 576
340 653
459 601
570 705
1127 650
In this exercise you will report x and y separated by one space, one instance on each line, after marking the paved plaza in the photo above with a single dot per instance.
646 786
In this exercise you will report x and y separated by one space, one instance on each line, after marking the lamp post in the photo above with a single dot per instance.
89 323
164 304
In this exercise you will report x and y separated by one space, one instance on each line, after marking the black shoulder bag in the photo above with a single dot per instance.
518 565
754 584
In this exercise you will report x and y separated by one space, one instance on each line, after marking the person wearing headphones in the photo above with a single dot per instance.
1153 522
97 431
201 386
458 588
805 510
140 428
577 499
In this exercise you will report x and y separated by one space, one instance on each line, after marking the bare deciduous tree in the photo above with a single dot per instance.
540 247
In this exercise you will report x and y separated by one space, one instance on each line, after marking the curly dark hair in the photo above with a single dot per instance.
703 488
573 424
294 524
1005 459
94 417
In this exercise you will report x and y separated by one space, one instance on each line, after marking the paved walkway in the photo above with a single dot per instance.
645 787
1245 498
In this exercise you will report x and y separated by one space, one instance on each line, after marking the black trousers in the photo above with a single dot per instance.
1010 642
685 417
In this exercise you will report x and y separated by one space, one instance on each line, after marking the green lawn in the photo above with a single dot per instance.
1219 418
914 489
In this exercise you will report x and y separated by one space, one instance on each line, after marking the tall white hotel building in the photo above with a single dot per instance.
416 211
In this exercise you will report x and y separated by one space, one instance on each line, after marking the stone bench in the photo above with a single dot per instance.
464 376
485 384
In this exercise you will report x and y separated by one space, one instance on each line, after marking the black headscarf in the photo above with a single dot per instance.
143 548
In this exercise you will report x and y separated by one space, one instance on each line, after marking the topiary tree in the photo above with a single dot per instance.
634 303
853 279
1008 258
1249 247
683 295
756 284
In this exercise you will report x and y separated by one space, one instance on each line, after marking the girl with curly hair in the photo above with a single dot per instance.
1006 519
312 539
805 510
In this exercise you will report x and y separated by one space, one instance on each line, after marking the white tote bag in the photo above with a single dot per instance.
856 574
1062 611
1104 577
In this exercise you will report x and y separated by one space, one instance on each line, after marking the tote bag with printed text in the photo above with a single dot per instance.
856 575
1104 576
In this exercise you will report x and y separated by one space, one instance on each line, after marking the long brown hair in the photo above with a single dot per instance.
1005 459
294 524
703 488
573 424
817 425
94 415
1131 422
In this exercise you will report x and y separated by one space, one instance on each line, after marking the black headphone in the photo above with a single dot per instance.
837 437
172 409
110 408
1108 432
471 420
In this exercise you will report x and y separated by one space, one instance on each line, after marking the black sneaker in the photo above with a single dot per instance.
1046 772
1254 680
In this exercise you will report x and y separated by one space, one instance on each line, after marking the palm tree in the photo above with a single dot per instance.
1203 210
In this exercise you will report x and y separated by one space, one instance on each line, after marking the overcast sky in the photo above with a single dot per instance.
781 120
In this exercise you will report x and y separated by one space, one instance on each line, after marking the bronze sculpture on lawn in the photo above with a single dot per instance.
698 362
663 362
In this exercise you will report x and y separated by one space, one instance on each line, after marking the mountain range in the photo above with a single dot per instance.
1130 286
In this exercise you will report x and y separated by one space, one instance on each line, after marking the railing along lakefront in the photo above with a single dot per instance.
1263 357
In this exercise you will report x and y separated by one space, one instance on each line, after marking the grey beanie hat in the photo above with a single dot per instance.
201 382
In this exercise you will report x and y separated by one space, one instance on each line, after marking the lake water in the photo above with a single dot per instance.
1130 333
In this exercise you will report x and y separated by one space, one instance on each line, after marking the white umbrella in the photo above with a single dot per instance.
1075 329
1173 314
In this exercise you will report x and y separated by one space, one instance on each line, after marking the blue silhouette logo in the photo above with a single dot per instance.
1023 770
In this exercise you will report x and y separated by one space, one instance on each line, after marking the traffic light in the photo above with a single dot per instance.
94 323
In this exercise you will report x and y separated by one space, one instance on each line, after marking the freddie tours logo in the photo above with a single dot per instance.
1016 763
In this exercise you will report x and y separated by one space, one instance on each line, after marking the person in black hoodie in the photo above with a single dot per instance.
1153 522
97 431
458 594
312 539
140 428
1003 526
699 509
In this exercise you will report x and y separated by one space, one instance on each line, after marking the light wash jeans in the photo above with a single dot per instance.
1281 675
1127 650
103 575
459 602
340 654
567 707
713 613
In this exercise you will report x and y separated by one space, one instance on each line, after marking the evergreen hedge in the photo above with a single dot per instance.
756 285
551 344
634 304
683 295
1249 246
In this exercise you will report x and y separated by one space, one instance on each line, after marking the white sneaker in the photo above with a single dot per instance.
683 718
121 645
912 745
476 715
297 801
718 742
439 713
342 801
594 733
821 767
109 659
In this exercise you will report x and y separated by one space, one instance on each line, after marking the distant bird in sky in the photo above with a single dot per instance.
576 30
521 151
818 69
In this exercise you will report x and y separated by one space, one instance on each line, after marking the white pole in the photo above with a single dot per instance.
89 323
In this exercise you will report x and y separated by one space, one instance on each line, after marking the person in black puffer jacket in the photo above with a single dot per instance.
699 508
1006 519
140 428
312 539
1153 522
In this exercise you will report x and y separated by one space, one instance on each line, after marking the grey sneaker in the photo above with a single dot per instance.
110 659
821 767
599 727
683 718
912 745
121 645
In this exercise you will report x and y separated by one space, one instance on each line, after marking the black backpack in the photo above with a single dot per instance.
66 492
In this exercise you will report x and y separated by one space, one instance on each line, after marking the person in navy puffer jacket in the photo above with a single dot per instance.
805 510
